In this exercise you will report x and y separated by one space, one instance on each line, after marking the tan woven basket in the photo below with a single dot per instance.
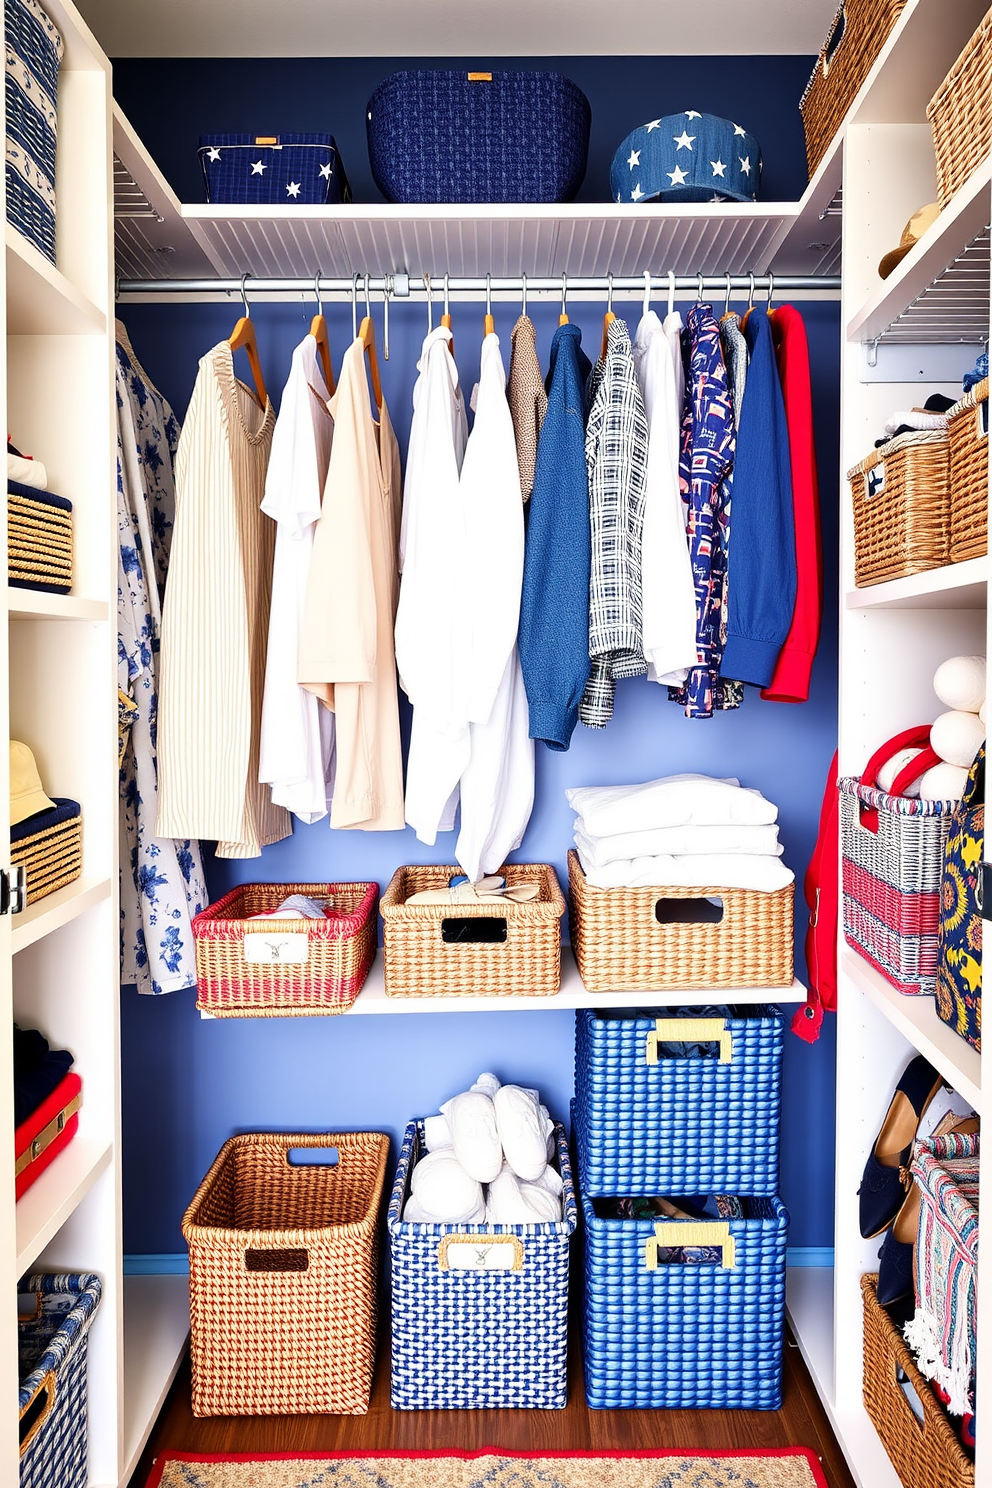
960 114
39 544
925 1454
855 39
316 966
968 439
620 946
901 499
283 1276
50 859
425 958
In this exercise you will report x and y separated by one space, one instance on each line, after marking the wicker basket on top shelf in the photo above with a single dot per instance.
960 114
901 500
968 438
855 39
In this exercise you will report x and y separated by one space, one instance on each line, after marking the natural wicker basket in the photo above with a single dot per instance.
925 1454
620 946
51 859
424 956
960 114
39 541
283 1273
968 439
901 499
317 966
855 39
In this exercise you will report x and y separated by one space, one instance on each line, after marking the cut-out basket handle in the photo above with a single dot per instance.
688 1233
678 1030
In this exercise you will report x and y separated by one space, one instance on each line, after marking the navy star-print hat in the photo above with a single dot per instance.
688 157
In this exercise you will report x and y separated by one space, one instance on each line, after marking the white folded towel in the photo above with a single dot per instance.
697 870
27 472
511 1201
672 801
437 1133
472 1123
914 418
675 840
523 1130
415 1212
444 1188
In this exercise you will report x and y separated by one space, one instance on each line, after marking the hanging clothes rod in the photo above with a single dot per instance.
401 286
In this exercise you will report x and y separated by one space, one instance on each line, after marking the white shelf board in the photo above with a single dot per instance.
34 604
158 246
959 586
53 1197
958 225
156 1327
56 910
811 242
40 300
916 1019
809 1306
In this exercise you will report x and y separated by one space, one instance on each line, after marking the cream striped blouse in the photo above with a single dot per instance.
215 622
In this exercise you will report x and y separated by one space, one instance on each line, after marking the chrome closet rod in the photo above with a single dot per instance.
714 284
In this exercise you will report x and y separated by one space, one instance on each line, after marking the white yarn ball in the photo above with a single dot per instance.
959 682
892 767
956 737
943 783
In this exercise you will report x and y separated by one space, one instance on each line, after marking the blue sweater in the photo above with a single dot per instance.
761 560
554 605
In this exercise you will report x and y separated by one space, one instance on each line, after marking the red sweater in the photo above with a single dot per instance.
790 681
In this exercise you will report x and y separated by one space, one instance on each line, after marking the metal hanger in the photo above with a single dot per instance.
726 303
771 291
490 324
563 317
523 294
699 288
446 317
430 303
354 306
243 337
608 317
387 291
318 330
366 332
671 291
647 291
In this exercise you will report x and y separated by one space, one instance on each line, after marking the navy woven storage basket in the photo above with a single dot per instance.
654 1115
34 51
273 169
479 1312
683 1336
52 1351
442 136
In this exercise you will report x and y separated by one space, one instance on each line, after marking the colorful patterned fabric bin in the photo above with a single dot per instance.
943 1331
34 51
52 1351
670 1103
445 136
893 849
273 169
480 1313
680 1336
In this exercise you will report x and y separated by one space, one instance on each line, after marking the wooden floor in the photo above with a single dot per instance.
800 1423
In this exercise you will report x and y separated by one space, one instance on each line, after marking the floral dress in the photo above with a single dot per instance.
162 884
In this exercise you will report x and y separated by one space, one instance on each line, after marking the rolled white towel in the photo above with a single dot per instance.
27 472
511 1201
551 1180
676 841
699 870
474 1136
437 1133
671 801
415 1212
522 1130
943 782
549 1127
444 1188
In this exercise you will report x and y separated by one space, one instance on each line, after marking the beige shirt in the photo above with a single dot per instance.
346 653
215 622
528 400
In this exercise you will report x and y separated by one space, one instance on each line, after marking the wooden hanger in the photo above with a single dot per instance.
563 317
607 318
242 338
318 330
489 324
366 334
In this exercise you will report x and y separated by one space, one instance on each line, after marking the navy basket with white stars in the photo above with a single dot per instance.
479 1312
687 157
34 51
267 170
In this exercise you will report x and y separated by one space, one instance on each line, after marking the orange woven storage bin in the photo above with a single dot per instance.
968 438
278 968
283 1273
495 949
855 39
901 499
621 946
960 114
925 1454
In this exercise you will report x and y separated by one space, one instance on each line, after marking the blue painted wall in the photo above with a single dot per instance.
188 1084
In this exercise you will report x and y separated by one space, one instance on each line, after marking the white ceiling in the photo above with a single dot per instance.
453 28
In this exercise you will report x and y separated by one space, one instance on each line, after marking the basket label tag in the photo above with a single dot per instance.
481 1255
285 949
480 77
876 480
266 139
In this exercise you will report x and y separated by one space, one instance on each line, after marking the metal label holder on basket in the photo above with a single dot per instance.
480 1253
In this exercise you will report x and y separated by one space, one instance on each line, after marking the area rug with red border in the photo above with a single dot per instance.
792 1467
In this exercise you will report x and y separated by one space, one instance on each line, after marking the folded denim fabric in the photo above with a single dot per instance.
698 870
672 801
675 840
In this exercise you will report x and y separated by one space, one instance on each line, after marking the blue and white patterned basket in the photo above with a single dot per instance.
273 169
667 1103
52 1351
34 51
479 1312
681 1336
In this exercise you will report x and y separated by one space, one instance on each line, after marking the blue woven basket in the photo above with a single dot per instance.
273 169
34 51
52 1350
479 1313
681 1336
441 136
656 1115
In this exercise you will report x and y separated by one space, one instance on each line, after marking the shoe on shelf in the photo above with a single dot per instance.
883 1187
